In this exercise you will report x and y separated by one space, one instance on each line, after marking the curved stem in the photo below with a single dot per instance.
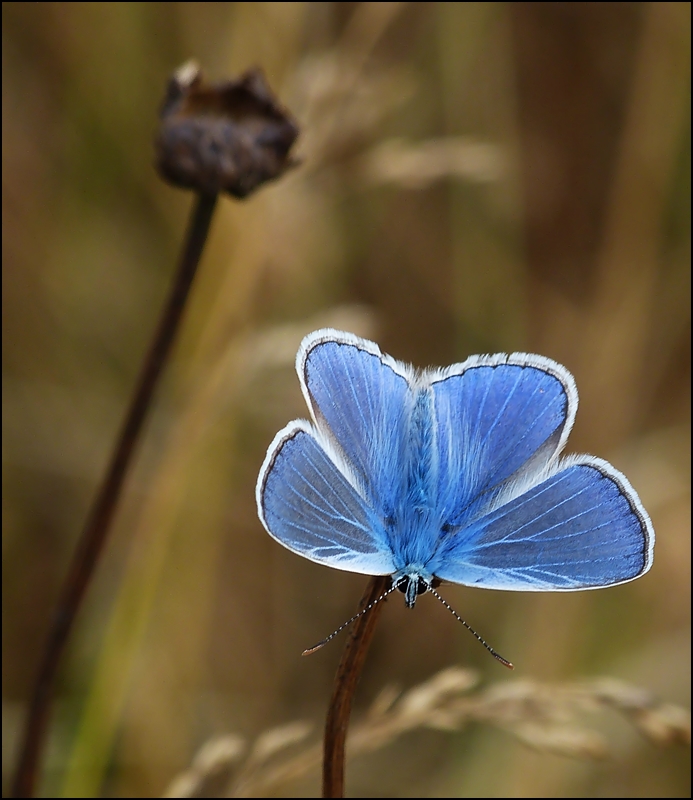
345 681
93 538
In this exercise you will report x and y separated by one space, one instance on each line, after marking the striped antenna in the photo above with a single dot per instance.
311 650
497 656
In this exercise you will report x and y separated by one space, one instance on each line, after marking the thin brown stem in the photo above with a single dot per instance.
345 681
93 538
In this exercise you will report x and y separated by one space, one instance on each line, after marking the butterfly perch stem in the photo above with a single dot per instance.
230 137
345 681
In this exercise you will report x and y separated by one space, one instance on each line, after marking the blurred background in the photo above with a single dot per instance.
476 178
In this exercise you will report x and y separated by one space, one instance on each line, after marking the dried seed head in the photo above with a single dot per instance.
230 136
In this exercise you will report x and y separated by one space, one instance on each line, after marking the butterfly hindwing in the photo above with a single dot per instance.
361 399
498 416
311 507
581 528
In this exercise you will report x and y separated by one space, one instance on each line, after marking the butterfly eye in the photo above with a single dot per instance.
409 586
405 582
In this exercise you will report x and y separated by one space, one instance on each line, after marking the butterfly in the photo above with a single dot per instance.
448 474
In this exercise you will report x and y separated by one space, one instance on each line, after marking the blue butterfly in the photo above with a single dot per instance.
447 475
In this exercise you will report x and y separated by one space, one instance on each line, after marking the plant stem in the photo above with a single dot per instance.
345 681
93 538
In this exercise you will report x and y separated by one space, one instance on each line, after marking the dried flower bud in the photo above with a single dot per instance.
230 136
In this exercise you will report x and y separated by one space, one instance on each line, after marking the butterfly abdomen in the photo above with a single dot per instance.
415 530
420 452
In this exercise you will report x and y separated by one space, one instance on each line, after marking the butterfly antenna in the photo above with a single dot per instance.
311 650
497 656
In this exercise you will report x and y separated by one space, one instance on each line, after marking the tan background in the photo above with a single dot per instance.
477 177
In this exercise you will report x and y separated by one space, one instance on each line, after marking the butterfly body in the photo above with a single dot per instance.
452 474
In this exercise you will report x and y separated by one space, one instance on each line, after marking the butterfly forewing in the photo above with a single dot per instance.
309 505
582 528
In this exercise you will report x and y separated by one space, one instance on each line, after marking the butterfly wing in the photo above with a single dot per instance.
497 416
359 398
581 528
308 504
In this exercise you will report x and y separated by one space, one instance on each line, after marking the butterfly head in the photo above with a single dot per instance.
412 585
